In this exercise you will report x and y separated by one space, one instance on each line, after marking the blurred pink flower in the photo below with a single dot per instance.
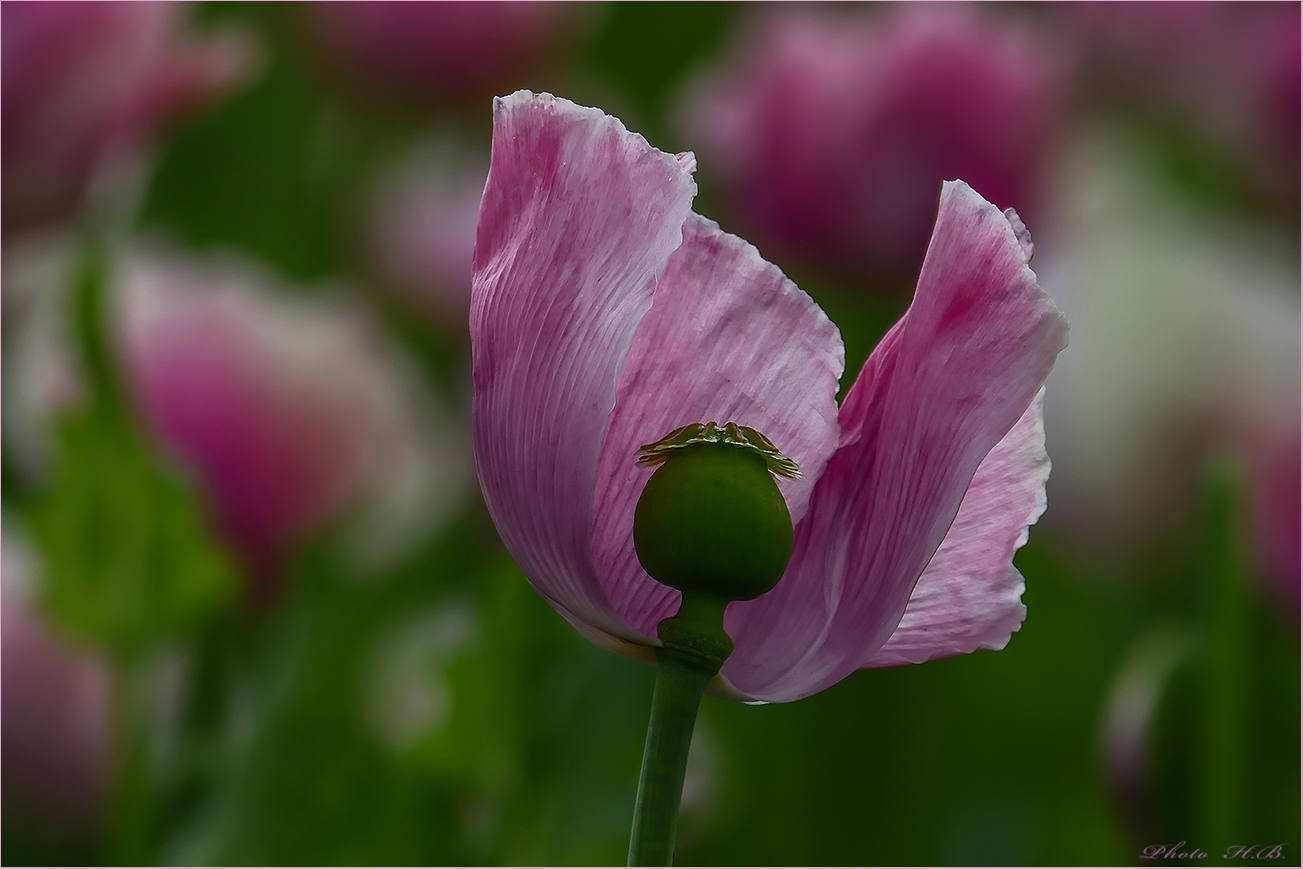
285 408
431 50
832 134
86 84
1229 69
605 313
423 232
56 716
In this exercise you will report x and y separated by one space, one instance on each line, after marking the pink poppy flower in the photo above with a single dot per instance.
605 314
285 408
831 134
85 84
468 50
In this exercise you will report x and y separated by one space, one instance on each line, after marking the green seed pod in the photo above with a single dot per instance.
711 520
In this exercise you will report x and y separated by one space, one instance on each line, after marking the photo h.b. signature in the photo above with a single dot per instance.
1185 851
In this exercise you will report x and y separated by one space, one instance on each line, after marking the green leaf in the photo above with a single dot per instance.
130 560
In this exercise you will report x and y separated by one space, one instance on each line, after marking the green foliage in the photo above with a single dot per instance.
307 781
130 559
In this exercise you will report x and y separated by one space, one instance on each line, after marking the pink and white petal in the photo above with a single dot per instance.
970 596
942 389
578 220
728 339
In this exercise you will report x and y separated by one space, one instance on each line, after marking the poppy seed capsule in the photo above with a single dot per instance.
711 520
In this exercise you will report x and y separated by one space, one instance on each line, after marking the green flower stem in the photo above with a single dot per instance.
90 315
131 800
695 647
680 684
1225 697
131 832
711 523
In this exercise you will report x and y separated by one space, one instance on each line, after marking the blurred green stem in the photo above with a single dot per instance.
90 322
131 811
131 818
130 822
1221 788
205 704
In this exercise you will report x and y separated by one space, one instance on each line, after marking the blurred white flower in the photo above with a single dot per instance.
40 371
1183 323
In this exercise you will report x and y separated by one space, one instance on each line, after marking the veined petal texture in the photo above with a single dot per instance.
970 596
941 390
728 339
578 221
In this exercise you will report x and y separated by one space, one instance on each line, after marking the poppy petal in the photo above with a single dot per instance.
970 596
941 390
578 220
728 339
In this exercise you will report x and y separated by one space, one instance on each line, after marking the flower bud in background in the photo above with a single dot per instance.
422 232
1227 71
56 720
465 51
287 409
85 85
834 133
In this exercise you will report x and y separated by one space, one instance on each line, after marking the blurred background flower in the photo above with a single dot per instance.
1273 460
57 739
85 86
295 235
1223 73
422 230
40 372
1186 327
289 410
833 129
440 52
